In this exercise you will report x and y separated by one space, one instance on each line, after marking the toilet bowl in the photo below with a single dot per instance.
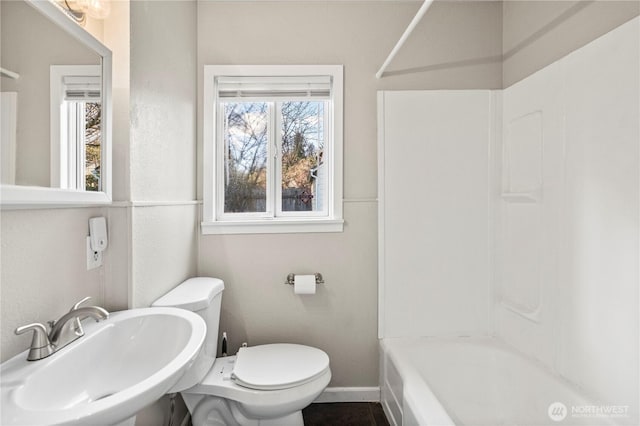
264 385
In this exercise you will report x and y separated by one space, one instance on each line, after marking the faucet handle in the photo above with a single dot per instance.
77 305
39 330
41 347
77 325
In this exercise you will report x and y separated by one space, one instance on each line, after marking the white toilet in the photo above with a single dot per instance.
266 385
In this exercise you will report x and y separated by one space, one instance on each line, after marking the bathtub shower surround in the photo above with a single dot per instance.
527 242
434 212
579 315
471 381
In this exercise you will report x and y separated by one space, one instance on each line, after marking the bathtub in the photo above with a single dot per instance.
477 381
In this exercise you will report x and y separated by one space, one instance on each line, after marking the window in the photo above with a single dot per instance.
273 149
76 127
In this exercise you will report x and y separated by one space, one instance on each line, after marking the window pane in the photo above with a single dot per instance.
92 140
303 171
245 132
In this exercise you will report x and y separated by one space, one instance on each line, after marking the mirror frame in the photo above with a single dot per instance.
17 196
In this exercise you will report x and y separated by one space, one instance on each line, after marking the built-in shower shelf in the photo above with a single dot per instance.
521 197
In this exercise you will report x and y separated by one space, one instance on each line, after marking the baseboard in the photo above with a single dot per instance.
352 394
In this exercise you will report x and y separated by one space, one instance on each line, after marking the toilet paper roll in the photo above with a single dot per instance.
304 284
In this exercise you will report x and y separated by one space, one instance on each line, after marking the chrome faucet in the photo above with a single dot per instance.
59 339
63 331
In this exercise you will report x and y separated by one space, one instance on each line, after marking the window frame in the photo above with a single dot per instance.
275 221
67 160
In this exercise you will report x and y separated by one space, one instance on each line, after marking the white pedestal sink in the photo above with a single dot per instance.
120 366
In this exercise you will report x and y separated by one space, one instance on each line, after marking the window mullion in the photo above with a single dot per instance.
278 160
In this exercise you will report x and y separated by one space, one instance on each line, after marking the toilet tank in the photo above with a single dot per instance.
203 296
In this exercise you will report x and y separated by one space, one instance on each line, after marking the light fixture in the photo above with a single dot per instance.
98 9
79 9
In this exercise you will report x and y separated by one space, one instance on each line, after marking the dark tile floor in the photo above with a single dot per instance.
345 414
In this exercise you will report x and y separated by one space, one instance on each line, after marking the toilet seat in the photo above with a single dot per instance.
218 383
278 366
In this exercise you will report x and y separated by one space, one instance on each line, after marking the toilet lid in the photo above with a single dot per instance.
278 366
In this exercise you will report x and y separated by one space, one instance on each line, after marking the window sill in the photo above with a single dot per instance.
273 226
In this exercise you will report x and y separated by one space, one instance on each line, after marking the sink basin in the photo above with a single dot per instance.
120 366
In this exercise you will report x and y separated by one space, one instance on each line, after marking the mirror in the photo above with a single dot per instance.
55 133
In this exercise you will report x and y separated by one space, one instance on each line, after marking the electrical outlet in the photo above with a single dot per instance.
94 258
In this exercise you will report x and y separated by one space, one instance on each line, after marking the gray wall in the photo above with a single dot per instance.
456 45
537 33
163 210
342 317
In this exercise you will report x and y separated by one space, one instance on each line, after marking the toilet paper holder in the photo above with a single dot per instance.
292 277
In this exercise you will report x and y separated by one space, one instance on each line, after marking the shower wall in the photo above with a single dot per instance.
433 191
516 213
566 288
